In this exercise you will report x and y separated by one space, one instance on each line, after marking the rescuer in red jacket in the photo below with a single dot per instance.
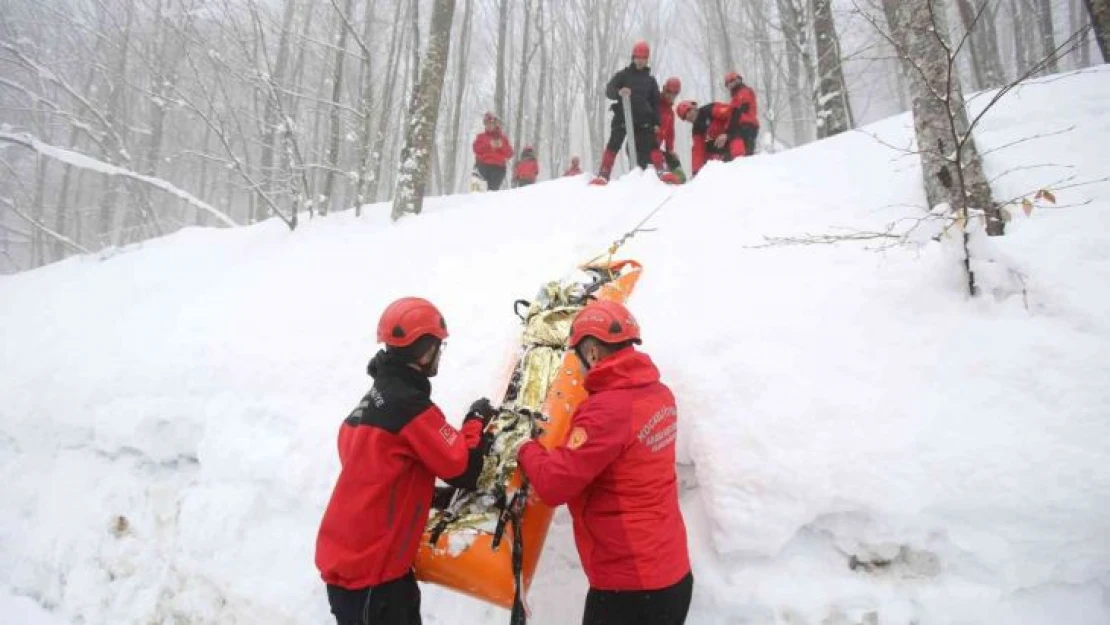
743 124
665 137
617 475
391 449
710 132
492 152
574 169
527 169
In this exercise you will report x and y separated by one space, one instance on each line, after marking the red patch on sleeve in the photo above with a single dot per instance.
449 435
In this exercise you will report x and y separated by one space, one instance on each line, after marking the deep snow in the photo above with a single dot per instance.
860 442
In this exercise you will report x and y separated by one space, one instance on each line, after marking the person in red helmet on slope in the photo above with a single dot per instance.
664 153
616 472
392 447
640 86
743 125
710 132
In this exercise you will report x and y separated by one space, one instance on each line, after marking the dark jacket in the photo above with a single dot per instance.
644 99
617 474
391 449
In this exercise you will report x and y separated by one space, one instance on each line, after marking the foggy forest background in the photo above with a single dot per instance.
122 120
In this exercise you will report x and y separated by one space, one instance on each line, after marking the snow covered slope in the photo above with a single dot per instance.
860 443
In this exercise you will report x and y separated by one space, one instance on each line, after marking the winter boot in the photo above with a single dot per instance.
607 160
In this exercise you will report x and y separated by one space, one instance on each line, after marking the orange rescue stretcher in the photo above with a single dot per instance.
495 561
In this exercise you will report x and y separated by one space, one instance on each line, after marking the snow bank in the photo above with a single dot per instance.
860 442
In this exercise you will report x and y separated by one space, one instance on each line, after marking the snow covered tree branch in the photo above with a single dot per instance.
89 163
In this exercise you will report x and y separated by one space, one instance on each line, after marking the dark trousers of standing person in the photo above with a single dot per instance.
494 175
393 603
666 606
645 142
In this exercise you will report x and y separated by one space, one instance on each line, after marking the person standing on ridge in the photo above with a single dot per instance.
492 152
640 86
743 124
665 139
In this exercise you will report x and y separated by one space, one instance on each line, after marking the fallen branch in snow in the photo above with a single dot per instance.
824 239
34 222
82 161
891 234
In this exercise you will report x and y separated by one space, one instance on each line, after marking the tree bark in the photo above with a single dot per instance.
413 173
951 164
833 109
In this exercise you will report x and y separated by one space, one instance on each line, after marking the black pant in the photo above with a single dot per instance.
666 606
392 603
645 141
749 134
493 174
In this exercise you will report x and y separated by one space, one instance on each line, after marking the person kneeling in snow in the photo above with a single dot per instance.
391 449
710 133
617 471
527 168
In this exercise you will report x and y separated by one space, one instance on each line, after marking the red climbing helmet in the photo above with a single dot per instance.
608 322
684 107
409 318
641 49
730 78
673 84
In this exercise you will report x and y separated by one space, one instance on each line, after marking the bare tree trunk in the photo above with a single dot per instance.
270 118
834 111
413 174
110 210
1048 37
499 89
389 96
1079 22
461 59
1100 23
952 168
541 102
366 107
788 20
522 82
983 42
723 33
335 123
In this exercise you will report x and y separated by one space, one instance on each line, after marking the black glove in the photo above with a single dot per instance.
481 409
